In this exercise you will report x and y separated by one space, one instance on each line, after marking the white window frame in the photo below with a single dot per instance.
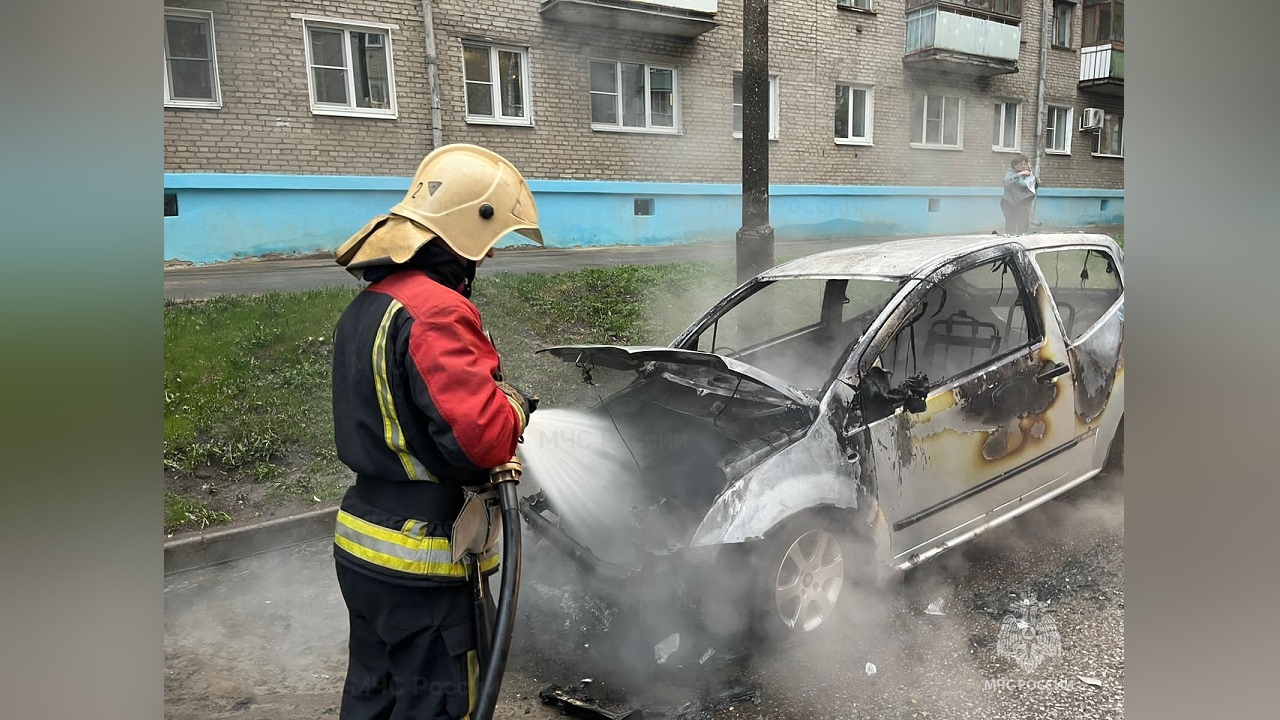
345 26
857 4
1000 117
1067 132
648 99
1097 138
774 125
924 130
869 119
497 118
169 100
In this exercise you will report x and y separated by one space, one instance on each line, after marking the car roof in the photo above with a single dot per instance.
917 257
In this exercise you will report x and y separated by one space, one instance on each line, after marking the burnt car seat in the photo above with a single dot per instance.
959 342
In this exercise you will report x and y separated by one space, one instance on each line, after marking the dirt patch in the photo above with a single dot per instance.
245 503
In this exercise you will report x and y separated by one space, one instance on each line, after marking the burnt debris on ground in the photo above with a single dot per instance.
578 700
1095 576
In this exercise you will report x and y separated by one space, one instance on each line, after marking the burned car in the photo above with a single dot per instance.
865 407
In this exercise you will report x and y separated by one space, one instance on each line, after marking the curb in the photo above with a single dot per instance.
223 546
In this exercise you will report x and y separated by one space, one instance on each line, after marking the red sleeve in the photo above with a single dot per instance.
457 364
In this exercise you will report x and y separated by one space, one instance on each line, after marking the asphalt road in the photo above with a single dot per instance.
255 277
265 637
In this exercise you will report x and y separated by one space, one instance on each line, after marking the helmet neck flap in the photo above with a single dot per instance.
438 263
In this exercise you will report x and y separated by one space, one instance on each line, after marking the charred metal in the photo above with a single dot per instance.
960 397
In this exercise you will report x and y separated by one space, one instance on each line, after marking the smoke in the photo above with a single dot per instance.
269 630
676 636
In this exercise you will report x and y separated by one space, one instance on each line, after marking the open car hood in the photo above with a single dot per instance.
638 357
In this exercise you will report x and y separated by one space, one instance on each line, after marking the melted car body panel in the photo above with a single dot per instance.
822 469
992 434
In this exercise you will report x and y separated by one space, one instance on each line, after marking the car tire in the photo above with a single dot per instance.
803 567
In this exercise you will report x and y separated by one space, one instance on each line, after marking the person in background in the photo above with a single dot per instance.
1020 185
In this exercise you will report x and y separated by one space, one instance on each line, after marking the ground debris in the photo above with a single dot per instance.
577 701
663 650
705 708
1092 576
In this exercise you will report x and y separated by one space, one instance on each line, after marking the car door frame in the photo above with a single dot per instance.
893 449
1096 357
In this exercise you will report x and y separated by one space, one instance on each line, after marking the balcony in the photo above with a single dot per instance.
972 37
672 18
1102 69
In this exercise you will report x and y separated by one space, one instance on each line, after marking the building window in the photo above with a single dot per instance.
1058 130
855 4
737 106
1062 13
1103 22
1109 140
190 60
936 121
1012 8
349 69
853 114
497 80
1005 133
632 96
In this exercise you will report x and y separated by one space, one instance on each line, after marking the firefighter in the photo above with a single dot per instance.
421 413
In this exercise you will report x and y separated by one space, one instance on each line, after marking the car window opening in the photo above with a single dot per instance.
798 329
969 324
1085 297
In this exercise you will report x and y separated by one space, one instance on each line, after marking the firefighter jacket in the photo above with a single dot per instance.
418 415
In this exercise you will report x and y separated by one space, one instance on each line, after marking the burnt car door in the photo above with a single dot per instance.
985 414
1087 287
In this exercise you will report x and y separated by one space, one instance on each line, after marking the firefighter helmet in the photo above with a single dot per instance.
466 195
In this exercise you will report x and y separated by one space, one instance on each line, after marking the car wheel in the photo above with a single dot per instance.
804 568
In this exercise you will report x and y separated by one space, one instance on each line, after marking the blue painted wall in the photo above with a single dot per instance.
225 216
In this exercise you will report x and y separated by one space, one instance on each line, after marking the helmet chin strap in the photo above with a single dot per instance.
471 266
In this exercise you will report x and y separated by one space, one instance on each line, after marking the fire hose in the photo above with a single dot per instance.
496 640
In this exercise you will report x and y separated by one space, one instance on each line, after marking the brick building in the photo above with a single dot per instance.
883 111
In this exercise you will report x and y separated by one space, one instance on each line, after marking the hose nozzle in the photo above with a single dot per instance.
507 472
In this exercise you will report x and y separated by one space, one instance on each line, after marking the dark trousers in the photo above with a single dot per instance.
412 650
1017 218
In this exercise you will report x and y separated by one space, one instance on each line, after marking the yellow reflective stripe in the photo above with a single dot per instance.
412 567
391 431
364 527
490 559
473 674
387 548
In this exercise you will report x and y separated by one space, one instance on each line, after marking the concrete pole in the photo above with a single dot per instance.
433 75
755 237
1046 25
